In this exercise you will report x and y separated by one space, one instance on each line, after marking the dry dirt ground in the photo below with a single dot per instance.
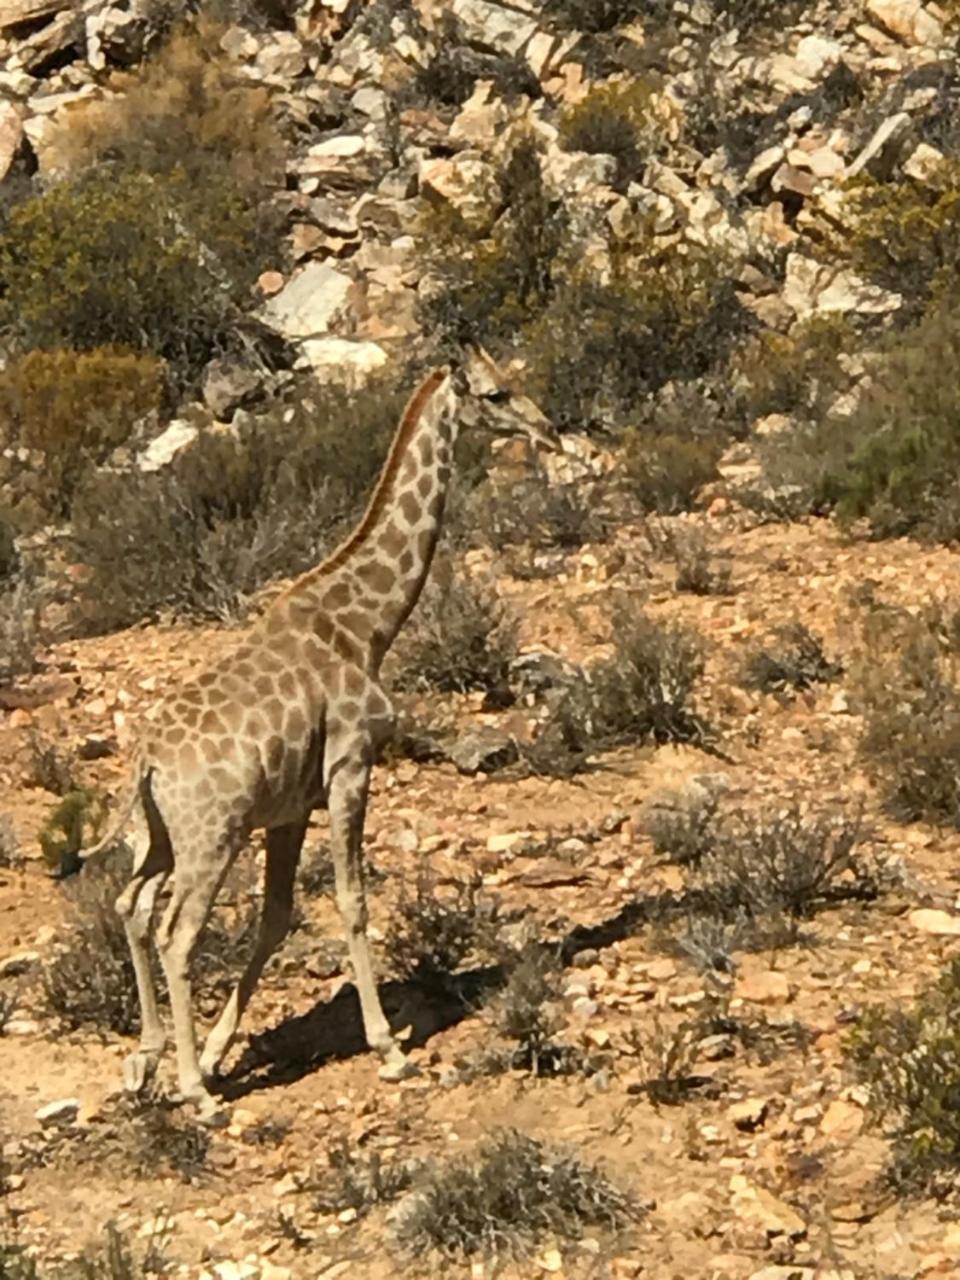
769 1169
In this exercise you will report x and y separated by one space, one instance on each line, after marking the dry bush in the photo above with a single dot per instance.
613 119
779 865
667 1056
460 637
434 930
232 513
504 1198
681 824
355 1179
486 286
10 852
525 1012
89 983
48 765
644 691
540 516
19 630
908 693
115 1258
595 17
74 407
697 571
798 663
909 1061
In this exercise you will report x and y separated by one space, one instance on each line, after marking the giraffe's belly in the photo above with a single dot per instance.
291 787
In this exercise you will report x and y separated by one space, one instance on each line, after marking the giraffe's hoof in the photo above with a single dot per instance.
400 1068
138 1070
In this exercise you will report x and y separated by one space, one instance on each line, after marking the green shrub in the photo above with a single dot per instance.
117 258
74 823
613 119
488 287
74 407
906 235
909 1061
507 1196
232 512
799 373
600 349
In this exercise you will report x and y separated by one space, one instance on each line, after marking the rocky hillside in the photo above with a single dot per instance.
663 860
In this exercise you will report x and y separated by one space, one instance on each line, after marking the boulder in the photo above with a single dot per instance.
309 303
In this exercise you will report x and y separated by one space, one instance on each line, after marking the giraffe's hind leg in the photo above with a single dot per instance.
283 854
152 863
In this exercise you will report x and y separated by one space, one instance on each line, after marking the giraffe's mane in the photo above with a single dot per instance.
409 421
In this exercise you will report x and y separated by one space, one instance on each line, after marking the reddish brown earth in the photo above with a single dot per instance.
782 1116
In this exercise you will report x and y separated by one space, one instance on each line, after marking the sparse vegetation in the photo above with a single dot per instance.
697 570
229 514
525 1012
909 695
667 1056
681 824
511 1193
461 636
487 286
89 982
435 929
909 1060
613 119
644 691
355 1179
19 630
798 663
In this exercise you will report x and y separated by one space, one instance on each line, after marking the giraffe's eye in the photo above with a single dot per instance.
500 396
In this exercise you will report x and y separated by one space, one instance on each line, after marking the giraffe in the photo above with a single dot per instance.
289 720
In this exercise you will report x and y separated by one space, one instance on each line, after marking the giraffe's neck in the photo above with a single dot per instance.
370 584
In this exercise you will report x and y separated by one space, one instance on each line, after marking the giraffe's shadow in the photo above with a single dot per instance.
333 1029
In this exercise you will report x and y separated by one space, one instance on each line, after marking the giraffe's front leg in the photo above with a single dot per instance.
347 784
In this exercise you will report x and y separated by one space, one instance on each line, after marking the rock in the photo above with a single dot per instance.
15 12
160 452
482 750
494 27
748 1114
465 182
578 172
757 1205
341 360
309 303
842 1120
18 964
64 1111
790 178
21 1027
506 841
939 923
768 987
908 20
763 166
880 152
481 118
11 132
344 162
921 164
226 386
816 288
282 58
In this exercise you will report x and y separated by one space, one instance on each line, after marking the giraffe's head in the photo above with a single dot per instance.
487 399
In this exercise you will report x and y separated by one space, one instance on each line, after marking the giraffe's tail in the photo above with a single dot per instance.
73 863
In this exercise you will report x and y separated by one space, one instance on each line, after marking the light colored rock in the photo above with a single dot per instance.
480 119
493 26
769 987
763 166
11 131
789 178
309 303
908 20
465 182
340 360
159 453
922 163
13 12
822 163
283 57
842 1120
576 173
748 1114
815 288
63 1111
939 923
226 386
755 1204
507 841
885 141
815 55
